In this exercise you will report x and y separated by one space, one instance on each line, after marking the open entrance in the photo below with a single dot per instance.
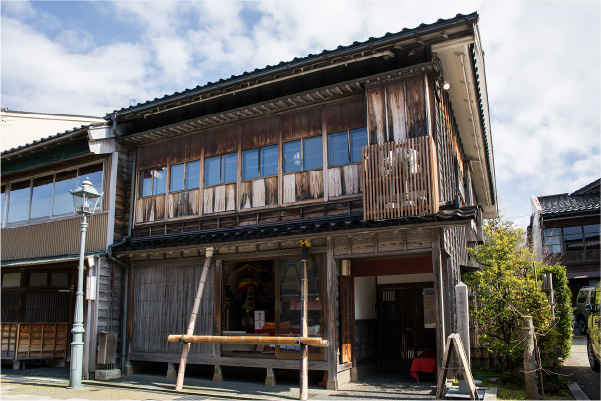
394 312
263 297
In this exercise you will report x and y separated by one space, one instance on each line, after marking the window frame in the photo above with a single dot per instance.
220 157
140 182
302 156
184 178
260 173
8 191
562 236
348 145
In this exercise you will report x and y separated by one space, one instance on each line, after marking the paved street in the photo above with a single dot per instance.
578 370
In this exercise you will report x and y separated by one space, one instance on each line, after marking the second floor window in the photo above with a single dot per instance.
568 239
304 154
261 162
48 196
153 181
344 147
221 169
184 176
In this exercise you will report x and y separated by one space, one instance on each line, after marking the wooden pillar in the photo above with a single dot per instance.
171 372
217 374
331 336
304 348
437 268
270 379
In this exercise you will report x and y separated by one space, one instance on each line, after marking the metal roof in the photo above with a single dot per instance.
288 66
48 140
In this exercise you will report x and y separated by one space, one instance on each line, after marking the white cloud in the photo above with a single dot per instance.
542 65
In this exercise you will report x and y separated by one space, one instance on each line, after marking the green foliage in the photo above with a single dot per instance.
508 287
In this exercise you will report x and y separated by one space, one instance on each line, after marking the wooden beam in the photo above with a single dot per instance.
331 293
258 340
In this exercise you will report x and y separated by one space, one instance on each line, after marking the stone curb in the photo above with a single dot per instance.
577 391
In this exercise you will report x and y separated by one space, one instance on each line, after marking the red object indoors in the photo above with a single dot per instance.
425 362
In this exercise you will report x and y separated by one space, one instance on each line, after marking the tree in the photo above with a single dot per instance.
508 287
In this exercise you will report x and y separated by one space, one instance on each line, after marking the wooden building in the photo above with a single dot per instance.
564 228
41 244
378 153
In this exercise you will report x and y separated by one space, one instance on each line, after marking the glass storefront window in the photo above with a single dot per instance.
38 280
11 280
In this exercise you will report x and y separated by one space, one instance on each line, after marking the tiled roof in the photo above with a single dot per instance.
282 229
566 203
296 62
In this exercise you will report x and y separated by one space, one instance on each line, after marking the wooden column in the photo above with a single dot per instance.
331 336
438 291
127 368
201 286
304 348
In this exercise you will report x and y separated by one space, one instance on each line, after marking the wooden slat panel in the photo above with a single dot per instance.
400 179
301 124
60 237
289 188
207 200
184 203
162 302
395 102
376 119
316 184
221 141
416 108
260 132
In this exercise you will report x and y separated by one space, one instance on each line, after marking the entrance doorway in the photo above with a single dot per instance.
404 331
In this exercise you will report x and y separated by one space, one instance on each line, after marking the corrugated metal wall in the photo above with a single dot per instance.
53 238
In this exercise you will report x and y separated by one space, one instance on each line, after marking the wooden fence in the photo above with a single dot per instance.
401 179
34 340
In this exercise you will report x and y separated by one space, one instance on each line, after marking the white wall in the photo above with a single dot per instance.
365 298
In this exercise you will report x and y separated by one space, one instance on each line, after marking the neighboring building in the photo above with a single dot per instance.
20 128
565 229
41 243
358 150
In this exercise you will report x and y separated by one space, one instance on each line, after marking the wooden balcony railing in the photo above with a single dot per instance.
401 179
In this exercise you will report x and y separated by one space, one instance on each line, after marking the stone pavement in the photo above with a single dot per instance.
577 369
34 384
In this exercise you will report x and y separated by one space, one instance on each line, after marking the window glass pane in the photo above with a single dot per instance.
38 280
338 148
193 174
573 242
269 160
229 168
2 200
312 153
552 240
160 180
63 200
553 249
572 230
250 164
292 156
290 301
18 204
591 237
146 183
41 198
358 140
11 280
547 232
95 176
59 280
212 171
582 296
176 182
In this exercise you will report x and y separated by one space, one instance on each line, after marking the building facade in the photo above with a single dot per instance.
41 242
565 229
378 155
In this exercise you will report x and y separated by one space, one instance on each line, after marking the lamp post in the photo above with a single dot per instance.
85 199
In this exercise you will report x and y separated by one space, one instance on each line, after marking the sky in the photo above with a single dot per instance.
542 65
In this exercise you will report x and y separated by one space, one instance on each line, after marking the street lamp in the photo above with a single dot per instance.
85 199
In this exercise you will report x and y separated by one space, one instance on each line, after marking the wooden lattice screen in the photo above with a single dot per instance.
401 179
